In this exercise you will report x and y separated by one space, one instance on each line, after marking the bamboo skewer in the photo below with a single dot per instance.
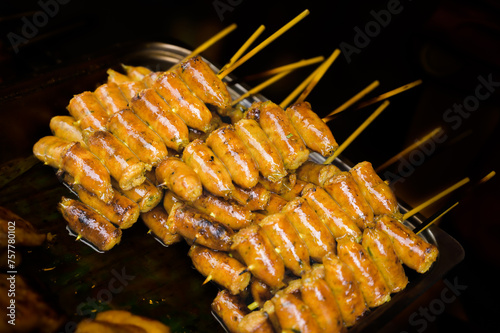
358 131
388 94
261 86
298 90
352 100
212 40
263 44
277 70
408 149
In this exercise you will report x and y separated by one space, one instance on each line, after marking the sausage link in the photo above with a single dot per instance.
371 282
155 112
131 89
264 153
64 127
314 131
136 73
213 174
124 317
260 292
88 112
255 322
230 309
316 173
220 268
413 250
156 220
146 195
380 248
259 255
255 198
293 314
295 191
275 204
231 150
116 77
111 98
92 226
287 242
175 175
170 199
51 150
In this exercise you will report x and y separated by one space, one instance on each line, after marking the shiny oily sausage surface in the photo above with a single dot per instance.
146 195
111 98
51 150
88 112
131 89
293 314
316 173
64 127
230 308
175 175
156 220
255 322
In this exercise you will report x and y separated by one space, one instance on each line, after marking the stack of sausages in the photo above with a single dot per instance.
257 213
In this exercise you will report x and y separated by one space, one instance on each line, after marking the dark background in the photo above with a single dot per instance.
448 44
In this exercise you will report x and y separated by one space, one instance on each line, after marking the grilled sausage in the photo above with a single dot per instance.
287 242
313 131
275 204
90 326
253 199
51 150
175 175
371 282
316 173
64 127
259 255
413 250
92 226
220 268
255 322
231 150
136 73
293 314
131 89
88 112
123 317
157 221
380 248
153 110
146 195
116 77
260 292
347 194
111 98
230 309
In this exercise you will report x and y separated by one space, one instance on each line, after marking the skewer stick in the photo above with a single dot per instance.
405 151
355 134
321 71
388 94
352 100
277 70
299 89
212 40
261 86
264 44
252 306
435 198
208 279
433 219
243 48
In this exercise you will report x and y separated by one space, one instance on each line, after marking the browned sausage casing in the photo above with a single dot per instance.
255 322
131 89
153 110
287 242
255 198
283 135
180 178
293 314
341 280
330 213
121 163
87 110
259 255
64 127
347 194
117 77
156 220
318 239
378 194
275 204
141 139
230 308
92 226
264 153
316 173
380 248
182 101
136 73
231 150
260 292
111 98
51 150
213 174
220 267
413 250
371 282
314 131
200 228
147 195
204 83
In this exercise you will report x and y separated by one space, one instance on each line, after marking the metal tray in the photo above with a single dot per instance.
139 274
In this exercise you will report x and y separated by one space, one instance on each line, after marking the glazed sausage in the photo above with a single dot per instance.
275 204
175 175
111 97
88 112
169 199
371 282
199 228
259 255
253 199
231 150
313 131
264 153
347 194
341 280
156 220
123 317
287 242
220 268
116 77
376 192
317 237
293 314
316 173
121 163
204 83
141 139
51 150
260 292
90 326
153 110
330 213
64 127
413 250
213 174
230 309
280 131
131 89
146 195
380 248
182 101
255 322
92 226
136 73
